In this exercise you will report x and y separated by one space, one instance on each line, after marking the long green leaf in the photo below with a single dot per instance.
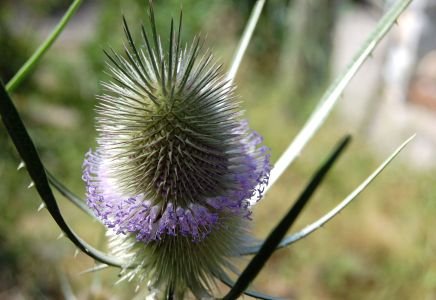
227 281
274 238
64 191
36 56
245 39
331 214
29 155
332 94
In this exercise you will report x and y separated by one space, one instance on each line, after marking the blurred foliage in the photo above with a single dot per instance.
379 248
307 49
14 51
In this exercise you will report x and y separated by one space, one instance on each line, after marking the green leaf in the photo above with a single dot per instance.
274 238
245 39
227 281
331 214
332 94
64 191
29 155
36 56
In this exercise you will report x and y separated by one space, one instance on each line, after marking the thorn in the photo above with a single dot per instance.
94 269
76 252
41 207
21 165
61 235
31 184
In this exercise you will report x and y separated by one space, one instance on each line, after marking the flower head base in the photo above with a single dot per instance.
175 163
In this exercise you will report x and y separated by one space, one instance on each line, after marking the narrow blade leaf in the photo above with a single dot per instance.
230 283
29 155
42 49
274 238
331 214
64 191
245 40
332 94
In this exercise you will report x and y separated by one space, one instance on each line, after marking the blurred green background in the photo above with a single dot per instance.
381 247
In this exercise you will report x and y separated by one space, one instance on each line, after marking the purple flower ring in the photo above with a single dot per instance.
195 217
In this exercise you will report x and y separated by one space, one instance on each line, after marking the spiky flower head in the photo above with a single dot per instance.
176 167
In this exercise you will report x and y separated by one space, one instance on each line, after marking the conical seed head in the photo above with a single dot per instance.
173 151
171 137
176 166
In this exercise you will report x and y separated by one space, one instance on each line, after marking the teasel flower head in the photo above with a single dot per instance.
176 168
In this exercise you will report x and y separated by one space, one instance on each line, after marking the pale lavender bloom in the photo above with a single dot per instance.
246 173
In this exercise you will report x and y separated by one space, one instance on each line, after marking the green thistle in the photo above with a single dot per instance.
176 168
